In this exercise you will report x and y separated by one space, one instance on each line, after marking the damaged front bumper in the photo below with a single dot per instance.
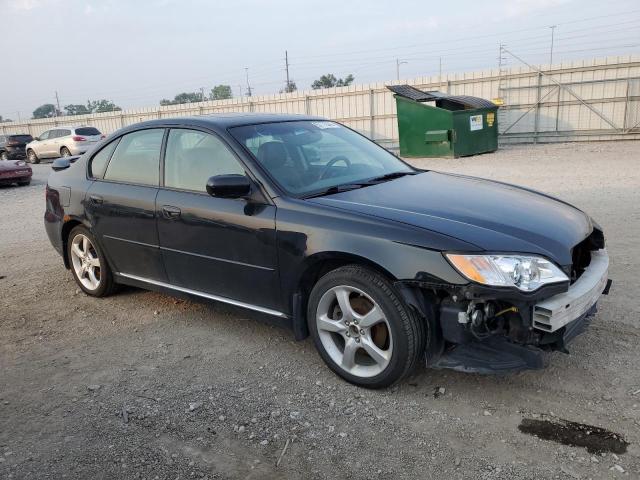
520 336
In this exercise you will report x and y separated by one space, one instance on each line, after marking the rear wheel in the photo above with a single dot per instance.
64 151
32 157
363 329
89 267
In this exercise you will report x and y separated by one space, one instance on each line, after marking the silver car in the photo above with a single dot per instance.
62 142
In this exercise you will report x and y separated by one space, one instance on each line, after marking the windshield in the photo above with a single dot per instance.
308 157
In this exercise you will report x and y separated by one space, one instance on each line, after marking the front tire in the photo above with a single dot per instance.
363 329
32 157
88 264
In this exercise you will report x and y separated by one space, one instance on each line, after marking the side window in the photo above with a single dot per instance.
192 157
136 159
63 133
54 134
45 135
100 160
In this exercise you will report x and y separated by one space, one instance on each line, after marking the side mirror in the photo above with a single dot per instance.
60 164
36 139
229 186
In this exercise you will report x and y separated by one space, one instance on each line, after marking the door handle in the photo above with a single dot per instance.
170 212
95 199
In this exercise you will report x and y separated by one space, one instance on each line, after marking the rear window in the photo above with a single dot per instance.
87 131
21 138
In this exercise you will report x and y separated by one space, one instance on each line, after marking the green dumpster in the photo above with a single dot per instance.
435 124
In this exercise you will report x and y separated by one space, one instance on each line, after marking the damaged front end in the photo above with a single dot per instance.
488 329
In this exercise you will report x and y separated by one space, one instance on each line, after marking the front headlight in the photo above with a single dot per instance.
525 272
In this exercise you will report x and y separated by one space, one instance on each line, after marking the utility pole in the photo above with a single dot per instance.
202 94
398 63
246 69
240 90
553 29
58 104
286 66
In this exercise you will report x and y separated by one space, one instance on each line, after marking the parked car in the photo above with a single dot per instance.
62 142
12 147
307 221
15 171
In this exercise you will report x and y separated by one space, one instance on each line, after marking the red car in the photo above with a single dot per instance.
15 171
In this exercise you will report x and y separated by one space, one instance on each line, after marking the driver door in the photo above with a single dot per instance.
219 246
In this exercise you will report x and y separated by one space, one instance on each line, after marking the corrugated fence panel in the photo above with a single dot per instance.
594 93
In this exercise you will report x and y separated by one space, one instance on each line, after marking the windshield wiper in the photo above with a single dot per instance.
336 189
389 176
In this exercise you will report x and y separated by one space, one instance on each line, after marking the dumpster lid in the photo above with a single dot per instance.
416 95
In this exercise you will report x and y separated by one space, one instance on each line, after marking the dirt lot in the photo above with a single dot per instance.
140 385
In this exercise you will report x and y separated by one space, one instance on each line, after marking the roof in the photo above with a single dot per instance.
228 120
442 99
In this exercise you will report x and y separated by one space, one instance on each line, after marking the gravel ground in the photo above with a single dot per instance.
141 385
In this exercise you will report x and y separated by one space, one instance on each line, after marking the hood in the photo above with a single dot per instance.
494 216
8 165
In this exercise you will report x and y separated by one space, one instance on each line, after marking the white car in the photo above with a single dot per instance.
62 142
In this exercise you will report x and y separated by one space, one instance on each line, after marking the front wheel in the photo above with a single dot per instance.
363 329
4 156
89 267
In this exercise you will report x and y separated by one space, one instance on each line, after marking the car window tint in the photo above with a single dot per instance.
99 161
192 157
87 131
44 135
137 158
64 133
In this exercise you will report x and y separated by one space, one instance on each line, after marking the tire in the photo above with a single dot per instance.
32 157
4 156
105 284
64 152
384 338
25 183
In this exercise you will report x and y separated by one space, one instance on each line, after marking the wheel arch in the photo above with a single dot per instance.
313 269
66 230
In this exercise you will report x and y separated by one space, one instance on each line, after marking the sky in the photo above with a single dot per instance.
136 52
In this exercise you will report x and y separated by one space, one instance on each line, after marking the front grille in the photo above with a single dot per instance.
581 253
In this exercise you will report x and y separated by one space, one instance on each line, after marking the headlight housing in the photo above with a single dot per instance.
525 272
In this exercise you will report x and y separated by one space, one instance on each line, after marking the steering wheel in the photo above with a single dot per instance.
332 162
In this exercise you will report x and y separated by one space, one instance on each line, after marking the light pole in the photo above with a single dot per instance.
553 29
398 63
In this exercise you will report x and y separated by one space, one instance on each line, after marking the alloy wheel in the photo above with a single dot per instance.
65 152
86 263
354 331
4 156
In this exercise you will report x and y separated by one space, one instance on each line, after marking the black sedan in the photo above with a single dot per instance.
302 219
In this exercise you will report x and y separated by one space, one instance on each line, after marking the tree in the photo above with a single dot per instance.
184 97
47 110
329 80
99 106
220 92
5 119
76 109
290 87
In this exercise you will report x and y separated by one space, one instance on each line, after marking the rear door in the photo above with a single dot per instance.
40 146
121 203
219 246
63 136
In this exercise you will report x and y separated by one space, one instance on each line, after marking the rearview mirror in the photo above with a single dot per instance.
228 186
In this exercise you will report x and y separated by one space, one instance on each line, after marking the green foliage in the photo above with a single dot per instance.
220 92
329 80
99 106
185 97
291 87
47 110
5 119
76 109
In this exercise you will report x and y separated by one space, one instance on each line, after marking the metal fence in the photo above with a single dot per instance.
596 99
